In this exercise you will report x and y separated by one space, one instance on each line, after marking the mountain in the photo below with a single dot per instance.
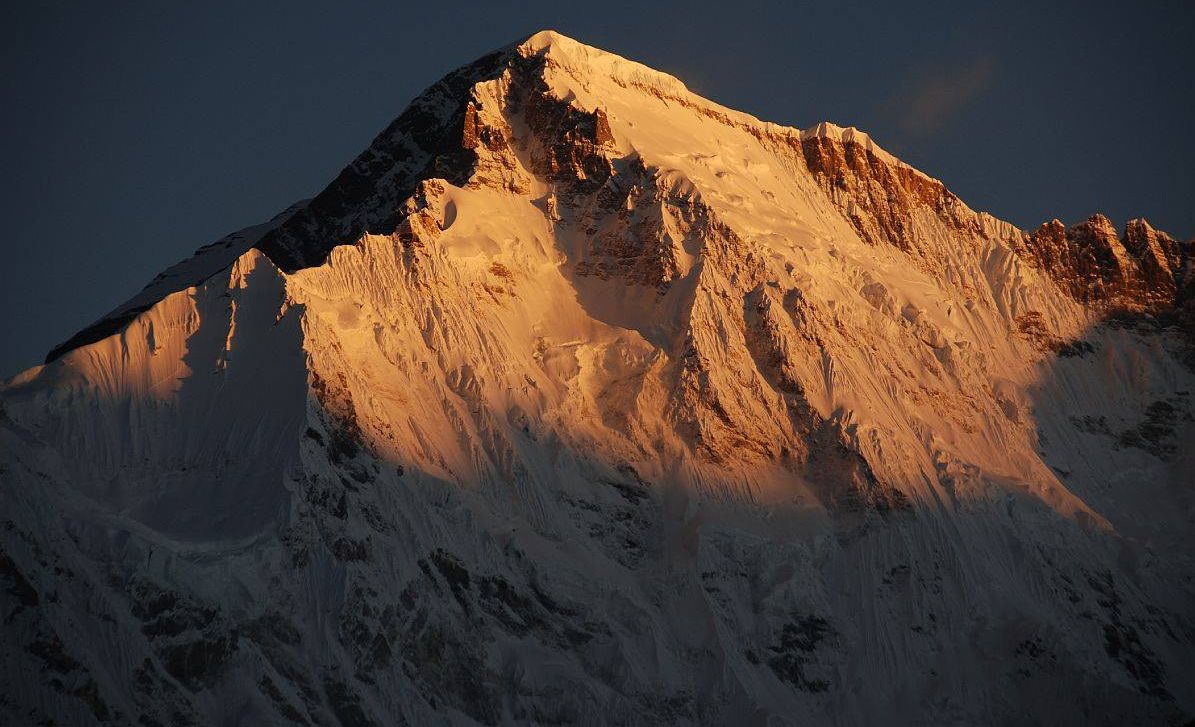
579 399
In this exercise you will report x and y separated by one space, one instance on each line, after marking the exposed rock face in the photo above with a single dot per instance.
877 196
1139 271
578 398
428 139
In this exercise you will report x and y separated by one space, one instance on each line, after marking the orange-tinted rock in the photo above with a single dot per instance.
1138 271
876 196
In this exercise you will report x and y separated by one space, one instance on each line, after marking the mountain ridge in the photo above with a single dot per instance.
330 203
576 399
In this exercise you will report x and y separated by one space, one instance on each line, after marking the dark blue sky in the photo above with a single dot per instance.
136 132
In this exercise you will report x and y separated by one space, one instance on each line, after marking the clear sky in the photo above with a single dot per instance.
136 132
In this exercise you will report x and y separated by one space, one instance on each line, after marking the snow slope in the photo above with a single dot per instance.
578 398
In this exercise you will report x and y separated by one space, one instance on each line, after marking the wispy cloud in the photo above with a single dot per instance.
930 101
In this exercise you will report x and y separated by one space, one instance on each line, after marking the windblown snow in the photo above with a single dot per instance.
578 398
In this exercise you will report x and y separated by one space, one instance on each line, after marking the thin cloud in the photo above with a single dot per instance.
931 102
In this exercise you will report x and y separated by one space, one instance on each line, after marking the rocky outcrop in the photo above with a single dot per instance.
879 196
433 137
1141 270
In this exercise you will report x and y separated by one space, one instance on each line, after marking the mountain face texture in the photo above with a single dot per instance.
580 399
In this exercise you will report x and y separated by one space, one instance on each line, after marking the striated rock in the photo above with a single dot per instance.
1137 272
877 195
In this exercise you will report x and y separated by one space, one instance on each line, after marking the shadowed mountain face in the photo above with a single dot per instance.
578 398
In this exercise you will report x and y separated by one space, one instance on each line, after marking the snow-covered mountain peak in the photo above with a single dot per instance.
595 64
576 394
